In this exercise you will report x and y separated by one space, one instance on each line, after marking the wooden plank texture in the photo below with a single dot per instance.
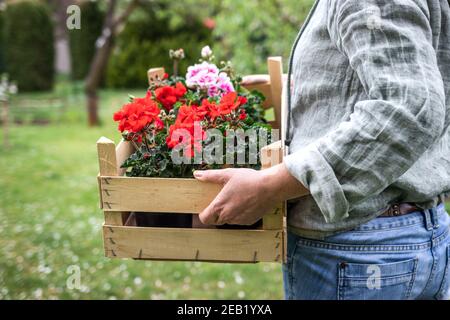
272 155
193 244
275 67
123 151
108 165
107 157
155 74
265 89
157 194
274 220
113 218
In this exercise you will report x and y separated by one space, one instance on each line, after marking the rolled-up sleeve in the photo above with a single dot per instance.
389 45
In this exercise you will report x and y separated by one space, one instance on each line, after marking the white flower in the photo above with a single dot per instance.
206 52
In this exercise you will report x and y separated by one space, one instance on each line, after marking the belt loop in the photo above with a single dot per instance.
435 218
428 222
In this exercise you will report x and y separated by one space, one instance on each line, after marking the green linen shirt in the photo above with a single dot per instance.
370 111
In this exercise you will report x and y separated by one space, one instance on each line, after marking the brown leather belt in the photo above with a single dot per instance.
400 209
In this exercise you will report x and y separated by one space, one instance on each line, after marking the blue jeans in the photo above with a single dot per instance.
404 257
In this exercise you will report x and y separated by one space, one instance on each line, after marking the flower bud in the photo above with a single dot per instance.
206 52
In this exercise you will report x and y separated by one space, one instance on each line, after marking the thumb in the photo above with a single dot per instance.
214 176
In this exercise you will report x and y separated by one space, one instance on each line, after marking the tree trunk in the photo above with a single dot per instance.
62 58
105 45
5 123
94 78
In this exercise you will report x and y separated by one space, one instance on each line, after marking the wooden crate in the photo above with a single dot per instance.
120 196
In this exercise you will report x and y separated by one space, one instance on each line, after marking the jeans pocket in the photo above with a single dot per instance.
389 281
444 290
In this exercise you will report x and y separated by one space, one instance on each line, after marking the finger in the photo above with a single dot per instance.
214 176
211 215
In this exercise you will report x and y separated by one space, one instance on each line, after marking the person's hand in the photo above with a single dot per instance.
243 199
247 194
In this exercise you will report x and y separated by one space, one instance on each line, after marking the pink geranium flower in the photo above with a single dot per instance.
206 76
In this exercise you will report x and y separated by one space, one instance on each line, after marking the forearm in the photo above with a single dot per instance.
279 183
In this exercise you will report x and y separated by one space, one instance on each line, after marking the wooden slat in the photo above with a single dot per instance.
275 66
157 194
99 183
193 244
108 166
255 79
107 157
272 155
265 89
274 220
155 74
123 151
113 218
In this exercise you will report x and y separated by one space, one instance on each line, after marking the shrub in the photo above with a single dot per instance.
29 45
82 41
145 42
2 44
253 30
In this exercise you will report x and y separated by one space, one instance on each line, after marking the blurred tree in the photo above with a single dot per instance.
252 30
145 42
82 41
62 57
29 50
104 45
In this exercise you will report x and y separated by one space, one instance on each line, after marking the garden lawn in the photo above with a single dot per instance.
51 225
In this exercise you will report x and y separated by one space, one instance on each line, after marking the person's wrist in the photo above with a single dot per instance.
271 184
280 185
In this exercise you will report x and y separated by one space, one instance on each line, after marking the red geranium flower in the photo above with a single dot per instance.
213 109
168 95
135 116
185 134
231 101
190 114
188 119
227 104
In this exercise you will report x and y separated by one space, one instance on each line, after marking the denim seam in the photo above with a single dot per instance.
428 220
340 286
433 243
446 274
413 279
389 227
372 248
291 272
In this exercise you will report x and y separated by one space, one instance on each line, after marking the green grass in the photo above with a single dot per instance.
50 221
